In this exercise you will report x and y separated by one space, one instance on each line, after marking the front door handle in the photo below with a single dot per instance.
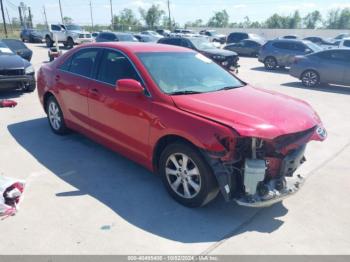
94 91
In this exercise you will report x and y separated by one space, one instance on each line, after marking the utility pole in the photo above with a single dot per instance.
3 18
112 14
10 22
92 20
59 1
30 18
47 25
170 24
20 15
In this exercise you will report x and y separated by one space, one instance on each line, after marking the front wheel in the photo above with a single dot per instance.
55 117
70 43
310 78
48 41
270 63
186 175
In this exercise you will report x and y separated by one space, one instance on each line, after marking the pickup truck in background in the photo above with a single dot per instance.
69 35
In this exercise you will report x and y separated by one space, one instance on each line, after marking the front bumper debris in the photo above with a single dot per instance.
273 195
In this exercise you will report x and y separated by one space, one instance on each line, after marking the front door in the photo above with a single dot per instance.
121 118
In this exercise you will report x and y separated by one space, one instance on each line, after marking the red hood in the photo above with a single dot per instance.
251 111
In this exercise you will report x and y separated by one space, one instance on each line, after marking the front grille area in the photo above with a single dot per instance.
12 72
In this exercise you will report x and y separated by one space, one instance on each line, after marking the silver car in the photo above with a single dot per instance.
281 52
329 66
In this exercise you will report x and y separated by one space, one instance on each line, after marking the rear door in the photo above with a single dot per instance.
73 80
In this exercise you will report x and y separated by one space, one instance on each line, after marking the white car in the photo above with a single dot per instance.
345 43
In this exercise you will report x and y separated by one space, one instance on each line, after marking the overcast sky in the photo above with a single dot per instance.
182 10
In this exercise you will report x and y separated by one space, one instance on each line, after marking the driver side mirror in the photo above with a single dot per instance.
129 86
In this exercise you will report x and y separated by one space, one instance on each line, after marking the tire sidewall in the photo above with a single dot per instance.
314 85
63 129
270 58
209 187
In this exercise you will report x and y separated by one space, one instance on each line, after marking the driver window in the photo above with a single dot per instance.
115 66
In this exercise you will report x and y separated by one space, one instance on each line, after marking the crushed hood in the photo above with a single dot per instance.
251 111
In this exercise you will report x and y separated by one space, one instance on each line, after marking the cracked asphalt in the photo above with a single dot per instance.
82 198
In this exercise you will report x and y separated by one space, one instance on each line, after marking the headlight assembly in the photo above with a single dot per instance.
29 70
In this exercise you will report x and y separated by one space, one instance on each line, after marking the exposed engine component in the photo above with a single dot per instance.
254 173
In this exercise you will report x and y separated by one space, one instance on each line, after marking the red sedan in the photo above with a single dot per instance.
182 116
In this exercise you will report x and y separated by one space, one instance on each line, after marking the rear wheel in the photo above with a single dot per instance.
310 78
49 42
55 116
186 175
70 43
270 63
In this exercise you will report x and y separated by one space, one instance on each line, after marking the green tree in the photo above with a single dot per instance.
344 19
220 19
196 23
311 20
295 20
67 20
152 16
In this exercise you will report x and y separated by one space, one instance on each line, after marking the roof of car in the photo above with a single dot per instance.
137 47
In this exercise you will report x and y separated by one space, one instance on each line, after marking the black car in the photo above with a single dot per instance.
115 37
15 72
246 47
146 38
227 59
318 40
19 48
32 36
237 37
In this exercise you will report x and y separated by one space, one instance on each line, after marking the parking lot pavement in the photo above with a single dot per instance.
84 199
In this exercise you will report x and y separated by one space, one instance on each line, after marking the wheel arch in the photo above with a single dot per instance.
310 69
162 143
46 97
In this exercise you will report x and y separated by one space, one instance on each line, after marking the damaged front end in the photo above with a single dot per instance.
259 172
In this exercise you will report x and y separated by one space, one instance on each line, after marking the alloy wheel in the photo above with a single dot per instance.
310 79
183 175
270 63
54 116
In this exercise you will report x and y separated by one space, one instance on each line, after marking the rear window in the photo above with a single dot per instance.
282 45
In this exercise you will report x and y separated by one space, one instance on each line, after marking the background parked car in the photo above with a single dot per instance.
94 34
289 37
246 47
15 72
227 59
345 43
115 37
236 37
163 32
69 35
319 41
282 52
214 36
19 48
146 38
151 33
32 36
329 66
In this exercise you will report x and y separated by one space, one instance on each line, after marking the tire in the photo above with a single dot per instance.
310 78
70 43
49 42
55 117
201 185
270 63
30 88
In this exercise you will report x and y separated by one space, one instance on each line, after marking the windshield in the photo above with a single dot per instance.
4 49
202 43
74 27
176 72
314 47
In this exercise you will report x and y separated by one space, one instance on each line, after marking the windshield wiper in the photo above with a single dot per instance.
228 88
184 92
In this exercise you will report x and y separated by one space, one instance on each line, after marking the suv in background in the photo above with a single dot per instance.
282 52
69 35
